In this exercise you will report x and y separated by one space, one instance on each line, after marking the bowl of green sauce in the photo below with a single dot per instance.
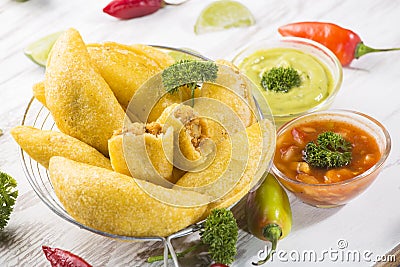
295 75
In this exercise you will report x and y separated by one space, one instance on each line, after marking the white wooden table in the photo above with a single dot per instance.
372 85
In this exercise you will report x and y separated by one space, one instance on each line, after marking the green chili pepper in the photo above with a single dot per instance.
268 212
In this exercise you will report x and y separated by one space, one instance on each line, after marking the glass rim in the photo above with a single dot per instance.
348 114
328 54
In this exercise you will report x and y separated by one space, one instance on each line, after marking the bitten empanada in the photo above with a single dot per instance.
143 151
210 174
81 102
232 174
192 144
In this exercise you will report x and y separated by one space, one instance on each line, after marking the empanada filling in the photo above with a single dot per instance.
196 130
194 126
137 128
153 128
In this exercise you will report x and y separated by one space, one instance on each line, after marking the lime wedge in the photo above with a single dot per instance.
223 14
39 50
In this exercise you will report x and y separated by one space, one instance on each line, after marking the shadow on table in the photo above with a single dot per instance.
305 215
197 258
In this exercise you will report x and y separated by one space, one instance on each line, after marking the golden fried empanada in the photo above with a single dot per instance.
232 89
163 59
191 136
114 203
233 172
229 75
39 92
228 97
182 95
143 151
42 145
80 100
210 174
125 68
261 138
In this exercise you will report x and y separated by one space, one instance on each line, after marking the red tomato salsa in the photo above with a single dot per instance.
289 158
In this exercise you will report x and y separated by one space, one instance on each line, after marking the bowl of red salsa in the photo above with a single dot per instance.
327 158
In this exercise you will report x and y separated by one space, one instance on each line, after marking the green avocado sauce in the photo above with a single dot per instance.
316 79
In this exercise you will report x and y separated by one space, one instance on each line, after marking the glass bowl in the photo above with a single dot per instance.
309 58
36 115
338 192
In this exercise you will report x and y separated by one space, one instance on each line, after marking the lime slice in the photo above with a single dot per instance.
39 50
223 14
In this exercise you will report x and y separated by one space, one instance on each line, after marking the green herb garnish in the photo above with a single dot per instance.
330 151
188 73
280 79
219 232
8 195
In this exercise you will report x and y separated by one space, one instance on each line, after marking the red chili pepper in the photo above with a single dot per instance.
218 265
63 258
344 43
128 9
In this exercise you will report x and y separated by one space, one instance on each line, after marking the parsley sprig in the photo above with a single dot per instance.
188 73
8 195
219 232
331 150
280 79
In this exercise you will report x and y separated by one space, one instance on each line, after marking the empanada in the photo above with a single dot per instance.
210 174
228 97
233 172
80 100
39 92
192 145
114 203
125 68
232 89
261 138
143 151
163 59
42 145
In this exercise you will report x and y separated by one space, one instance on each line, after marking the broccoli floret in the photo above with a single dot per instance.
8 195
280 79
331 150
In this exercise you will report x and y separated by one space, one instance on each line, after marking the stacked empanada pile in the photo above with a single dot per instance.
141 178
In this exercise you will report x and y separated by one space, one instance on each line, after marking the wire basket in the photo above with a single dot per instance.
36 115
38 177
